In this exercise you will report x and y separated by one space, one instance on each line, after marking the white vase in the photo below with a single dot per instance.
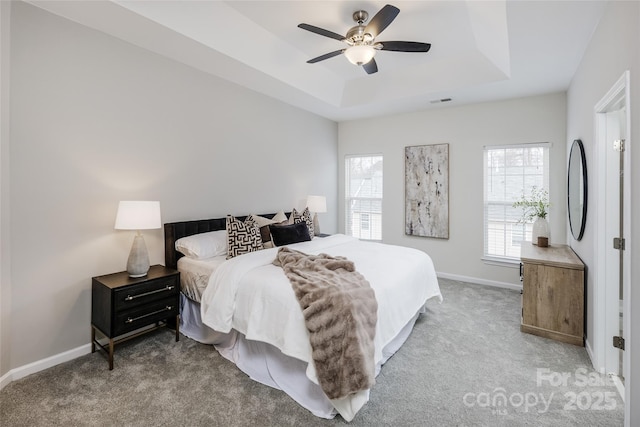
540 229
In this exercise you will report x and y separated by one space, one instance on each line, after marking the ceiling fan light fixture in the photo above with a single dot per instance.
361 39
360 54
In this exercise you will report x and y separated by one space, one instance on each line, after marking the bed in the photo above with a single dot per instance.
246 308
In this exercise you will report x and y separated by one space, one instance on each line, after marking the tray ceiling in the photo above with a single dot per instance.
481 50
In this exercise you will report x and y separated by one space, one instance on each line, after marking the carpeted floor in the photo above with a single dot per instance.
465 364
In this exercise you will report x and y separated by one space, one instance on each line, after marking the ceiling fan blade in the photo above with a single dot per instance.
383 18
405 46
325 56
371 66
321 31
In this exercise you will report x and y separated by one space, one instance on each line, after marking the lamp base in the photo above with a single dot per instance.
316 225
134 276
138 261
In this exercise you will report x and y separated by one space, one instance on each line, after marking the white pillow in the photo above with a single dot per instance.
279 217
263 224
203 245
261 221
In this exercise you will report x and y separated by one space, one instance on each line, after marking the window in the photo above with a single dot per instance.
510 172
364 222
363 204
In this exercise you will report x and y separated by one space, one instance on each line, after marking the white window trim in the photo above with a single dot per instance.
501 261
523 145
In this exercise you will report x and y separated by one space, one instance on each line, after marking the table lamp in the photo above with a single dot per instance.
138 215
316 204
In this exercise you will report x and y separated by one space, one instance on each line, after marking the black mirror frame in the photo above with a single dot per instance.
577 145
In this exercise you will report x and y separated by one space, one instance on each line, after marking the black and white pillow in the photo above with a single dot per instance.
304 216
242 237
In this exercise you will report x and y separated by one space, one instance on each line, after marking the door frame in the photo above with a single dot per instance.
620 92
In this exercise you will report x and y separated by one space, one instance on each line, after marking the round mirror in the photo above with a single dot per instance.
577 189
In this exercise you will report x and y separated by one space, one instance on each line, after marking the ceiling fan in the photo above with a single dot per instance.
361 39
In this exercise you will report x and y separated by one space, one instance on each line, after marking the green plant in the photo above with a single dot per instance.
535 206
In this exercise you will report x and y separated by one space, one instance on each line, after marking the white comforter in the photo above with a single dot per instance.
251 295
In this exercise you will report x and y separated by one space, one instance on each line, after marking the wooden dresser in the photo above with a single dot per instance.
552 293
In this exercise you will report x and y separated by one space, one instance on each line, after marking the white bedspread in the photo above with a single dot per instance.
254 297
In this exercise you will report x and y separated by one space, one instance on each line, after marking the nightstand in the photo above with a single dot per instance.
121 304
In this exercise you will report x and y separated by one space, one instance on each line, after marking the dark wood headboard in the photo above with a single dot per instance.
176 230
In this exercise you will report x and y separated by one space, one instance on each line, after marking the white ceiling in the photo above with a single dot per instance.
481 50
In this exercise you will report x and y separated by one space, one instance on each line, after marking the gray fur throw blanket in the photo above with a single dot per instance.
340 311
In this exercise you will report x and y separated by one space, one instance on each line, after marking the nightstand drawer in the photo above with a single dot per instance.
133 319
133 296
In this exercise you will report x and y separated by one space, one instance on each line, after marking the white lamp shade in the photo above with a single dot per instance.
359 54
138 215
317 204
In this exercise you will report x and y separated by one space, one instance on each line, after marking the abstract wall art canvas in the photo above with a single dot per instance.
427 191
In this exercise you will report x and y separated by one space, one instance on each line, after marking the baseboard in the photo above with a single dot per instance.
587 346
616 380
478 281
5 380
619 386
41 365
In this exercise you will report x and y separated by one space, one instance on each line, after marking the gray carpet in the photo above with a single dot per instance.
462 357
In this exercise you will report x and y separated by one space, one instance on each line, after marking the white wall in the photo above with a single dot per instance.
467 129
5 289
613 49
95 120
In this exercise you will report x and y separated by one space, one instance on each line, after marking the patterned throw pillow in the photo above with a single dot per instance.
304 216
243 237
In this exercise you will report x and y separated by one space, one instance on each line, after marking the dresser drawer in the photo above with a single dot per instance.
144 293
147 314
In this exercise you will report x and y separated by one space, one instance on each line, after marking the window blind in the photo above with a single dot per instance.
363 204
509 173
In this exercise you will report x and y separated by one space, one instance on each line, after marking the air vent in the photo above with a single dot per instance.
438 101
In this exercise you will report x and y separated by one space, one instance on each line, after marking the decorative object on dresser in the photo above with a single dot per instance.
316 205
535 207
121 304
426 172
540 230
138 215
552 293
